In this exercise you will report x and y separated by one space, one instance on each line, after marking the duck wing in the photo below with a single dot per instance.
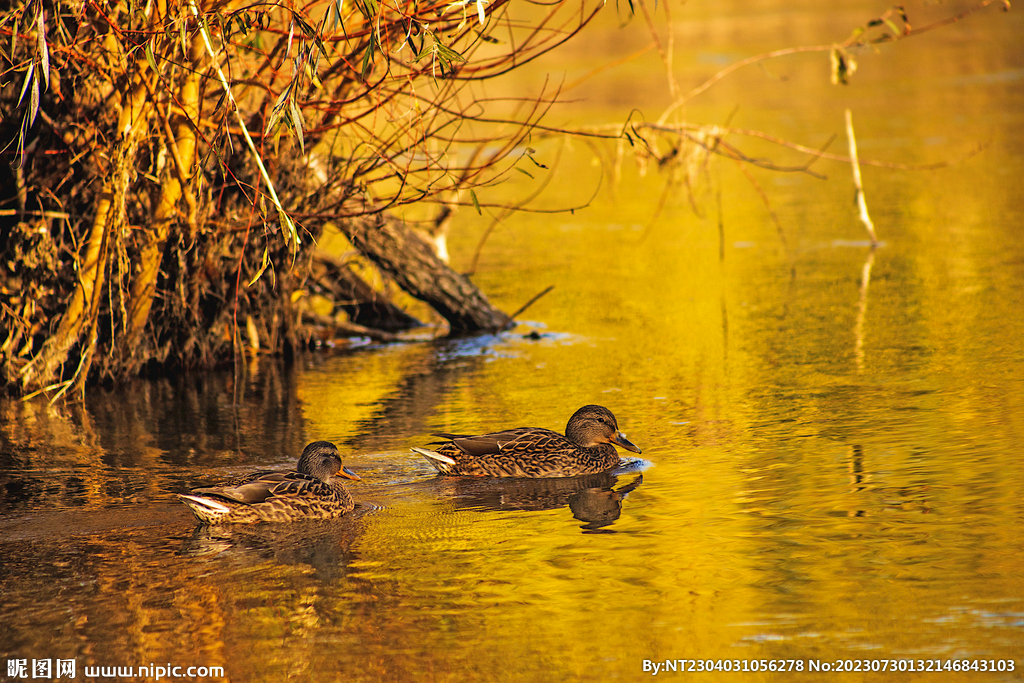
270 485
523 439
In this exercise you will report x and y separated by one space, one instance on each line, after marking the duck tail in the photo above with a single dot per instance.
442 463
206 510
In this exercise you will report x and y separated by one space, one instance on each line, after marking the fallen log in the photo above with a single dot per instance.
410 261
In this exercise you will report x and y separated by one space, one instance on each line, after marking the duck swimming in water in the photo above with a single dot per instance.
313 491
586 448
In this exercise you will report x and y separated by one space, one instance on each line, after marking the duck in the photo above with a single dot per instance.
588 447
313 490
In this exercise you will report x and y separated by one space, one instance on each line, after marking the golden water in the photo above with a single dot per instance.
832 434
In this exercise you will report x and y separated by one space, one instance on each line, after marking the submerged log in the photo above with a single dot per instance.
410 261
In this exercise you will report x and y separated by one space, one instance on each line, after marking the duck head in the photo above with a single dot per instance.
321 460
592 425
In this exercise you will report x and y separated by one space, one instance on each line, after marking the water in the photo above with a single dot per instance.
831 435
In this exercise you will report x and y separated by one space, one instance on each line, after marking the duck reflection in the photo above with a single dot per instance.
324 545
595 499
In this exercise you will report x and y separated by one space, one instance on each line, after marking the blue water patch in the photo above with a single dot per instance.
1008 76
629 465
503 344
855 243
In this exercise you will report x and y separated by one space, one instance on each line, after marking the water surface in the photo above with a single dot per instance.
831 433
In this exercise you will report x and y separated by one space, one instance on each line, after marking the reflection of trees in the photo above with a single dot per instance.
324 545
872 498
427 382
194 418
128 444
133 597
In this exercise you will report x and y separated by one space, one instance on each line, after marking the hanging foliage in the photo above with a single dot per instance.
175 161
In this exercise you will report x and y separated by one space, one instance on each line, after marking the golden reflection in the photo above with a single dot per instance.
324 545
593 498
802 505
862 309
858 480
912 497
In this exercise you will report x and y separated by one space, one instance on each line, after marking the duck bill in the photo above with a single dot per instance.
620 440
349 474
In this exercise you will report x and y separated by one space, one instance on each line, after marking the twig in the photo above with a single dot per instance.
349 329
767 203
506 210
855 40
172 147
861 204
286 221
605 67
733 67
43 214
666 54
682 129
530 302
721 226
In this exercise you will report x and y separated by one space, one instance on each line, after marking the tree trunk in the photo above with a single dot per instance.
409 261
183 150
46 367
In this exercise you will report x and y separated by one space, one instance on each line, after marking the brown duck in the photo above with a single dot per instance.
314 491
586 448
